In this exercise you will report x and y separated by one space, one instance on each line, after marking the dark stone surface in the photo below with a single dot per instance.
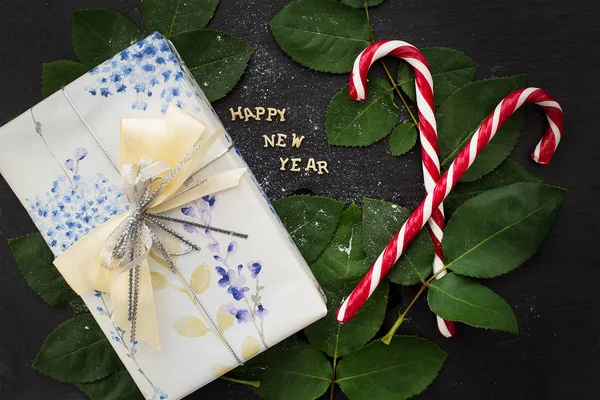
554 294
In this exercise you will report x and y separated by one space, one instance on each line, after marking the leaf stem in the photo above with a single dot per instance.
388 336
387 71
437 274
399 93
255 384
332 386
369 21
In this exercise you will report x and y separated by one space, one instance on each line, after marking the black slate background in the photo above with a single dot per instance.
555 294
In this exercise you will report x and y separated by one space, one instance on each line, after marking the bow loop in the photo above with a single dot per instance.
168 152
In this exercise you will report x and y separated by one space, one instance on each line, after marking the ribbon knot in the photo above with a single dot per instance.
131 242
160 158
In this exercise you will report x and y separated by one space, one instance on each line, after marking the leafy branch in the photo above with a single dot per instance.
506 211
217 60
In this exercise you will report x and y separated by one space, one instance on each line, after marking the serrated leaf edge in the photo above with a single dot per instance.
97 9
432 286
391 89
412 264
271 24
448 266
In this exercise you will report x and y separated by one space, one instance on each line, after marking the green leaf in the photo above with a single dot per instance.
34 259
361 123
57 74
380 223
460 116
323 35
311 222
336 339
508 172
118 385
78 305
457 298
451 69
338 270
69 351
361 3
403 138
172 17
292 370
495 232
100 34
400 370
217 60
344 258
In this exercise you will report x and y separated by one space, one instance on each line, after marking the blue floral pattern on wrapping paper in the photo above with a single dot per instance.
240 280
74 206
148 68
118 335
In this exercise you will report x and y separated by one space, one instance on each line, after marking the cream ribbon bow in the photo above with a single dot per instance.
158 155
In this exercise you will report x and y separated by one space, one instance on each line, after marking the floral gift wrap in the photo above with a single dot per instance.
222 279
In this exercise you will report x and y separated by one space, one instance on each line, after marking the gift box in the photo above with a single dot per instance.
62 160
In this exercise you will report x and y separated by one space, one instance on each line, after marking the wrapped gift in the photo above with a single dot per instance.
204 278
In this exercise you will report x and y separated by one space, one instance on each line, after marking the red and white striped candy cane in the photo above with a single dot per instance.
542 154
427 132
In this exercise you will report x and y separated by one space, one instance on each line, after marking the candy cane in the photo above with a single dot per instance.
427 133
542 154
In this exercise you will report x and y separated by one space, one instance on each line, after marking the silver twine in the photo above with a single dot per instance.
136 237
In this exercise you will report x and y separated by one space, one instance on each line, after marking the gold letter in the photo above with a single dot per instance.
297 141
283 162
295 162
237 113
322 167
311 166
248 114
269 141
259 111
280 138
271 113
281 115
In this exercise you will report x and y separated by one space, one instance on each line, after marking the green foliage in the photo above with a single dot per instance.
361 3
457 298
499 219
397 371
361 123
34 259
344 257
338 340
402 139
118 385
508 172
496 231
77 352
460 116
311 221
292 370
381 222
100 34
323 35
451 69
338 270
216 60
172 17
57 74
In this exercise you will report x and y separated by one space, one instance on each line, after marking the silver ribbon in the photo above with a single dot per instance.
133 234
135 238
